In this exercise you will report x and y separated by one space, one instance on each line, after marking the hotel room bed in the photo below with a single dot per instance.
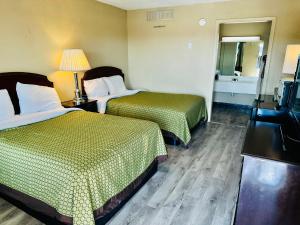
176 114
75 167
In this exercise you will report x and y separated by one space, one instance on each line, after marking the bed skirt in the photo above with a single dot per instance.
48 215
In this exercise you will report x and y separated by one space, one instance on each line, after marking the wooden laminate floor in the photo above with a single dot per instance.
230 114
198 186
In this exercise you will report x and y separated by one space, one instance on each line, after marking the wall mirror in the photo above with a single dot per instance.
239 58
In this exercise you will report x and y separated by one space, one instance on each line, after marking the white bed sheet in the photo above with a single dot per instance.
21 120
102 101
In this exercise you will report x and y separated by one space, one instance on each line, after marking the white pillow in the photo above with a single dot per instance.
7 110
35 98
115 84
95 88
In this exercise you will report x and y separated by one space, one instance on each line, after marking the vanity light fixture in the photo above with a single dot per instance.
241 39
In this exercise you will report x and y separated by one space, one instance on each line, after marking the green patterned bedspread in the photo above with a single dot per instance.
176 113
77 161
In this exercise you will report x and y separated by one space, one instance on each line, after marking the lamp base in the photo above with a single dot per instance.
78 98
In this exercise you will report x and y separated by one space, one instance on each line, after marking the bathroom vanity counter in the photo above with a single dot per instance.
236 84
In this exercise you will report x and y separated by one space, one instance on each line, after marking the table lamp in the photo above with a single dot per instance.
285 88
291 59
74 60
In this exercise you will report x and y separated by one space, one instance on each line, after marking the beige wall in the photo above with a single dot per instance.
160 60
33 34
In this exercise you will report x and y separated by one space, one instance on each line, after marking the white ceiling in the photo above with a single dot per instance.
144 4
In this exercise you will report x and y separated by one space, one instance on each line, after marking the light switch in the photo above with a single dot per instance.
190 45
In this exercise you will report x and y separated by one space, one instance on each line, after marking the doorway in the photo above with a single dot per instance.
241 47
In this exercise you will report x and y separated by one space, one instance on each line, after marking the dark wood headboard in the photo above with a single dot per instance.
9 81
98 72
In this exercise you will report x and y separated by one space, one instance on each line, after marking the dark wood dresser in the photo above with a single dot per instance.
270 183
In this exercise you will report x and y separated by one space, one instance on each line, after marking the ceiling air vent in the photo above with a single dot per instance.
159 15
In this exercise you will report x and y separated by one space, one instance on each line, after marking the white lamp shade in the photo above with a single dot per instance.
291 59
74 60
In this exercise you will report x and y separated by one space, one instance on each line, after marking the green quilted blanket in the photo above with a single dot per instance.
77 161
176 113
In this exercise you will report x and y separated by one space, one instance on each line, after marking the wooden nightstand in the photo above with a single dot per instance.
88 105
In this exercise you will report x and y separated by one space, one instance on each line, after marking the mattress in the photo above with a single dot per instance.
175 113
78 161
